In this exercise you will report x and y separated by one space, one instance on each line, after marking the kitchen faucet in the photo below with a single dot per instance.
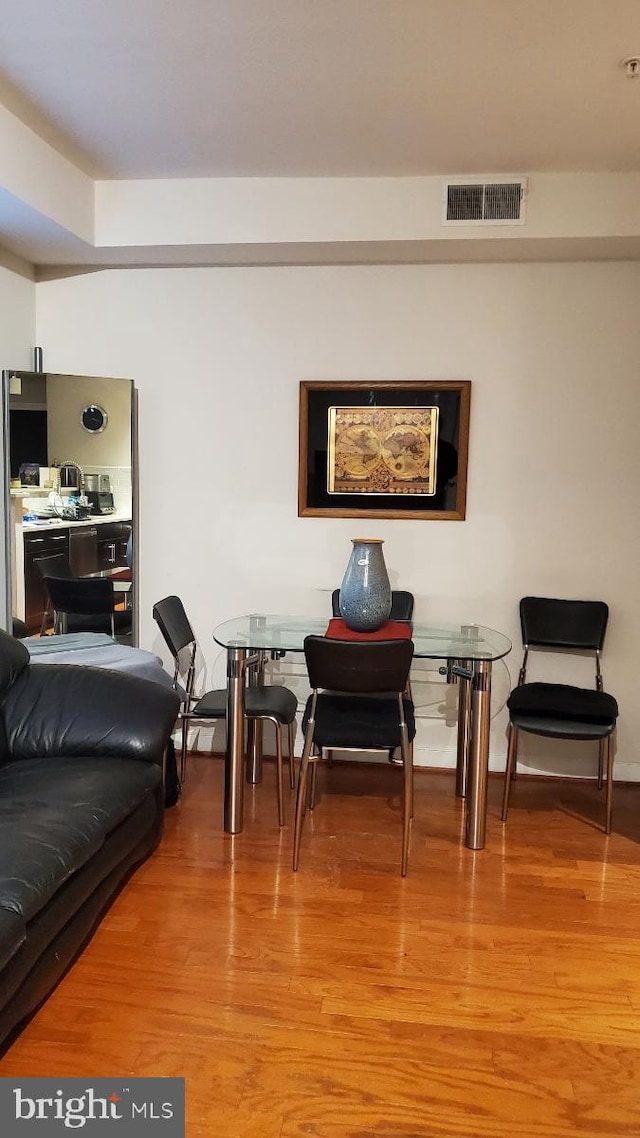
76 466
69 507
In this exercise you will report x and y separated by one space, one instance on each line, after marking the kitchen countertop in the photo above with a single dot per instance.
65 523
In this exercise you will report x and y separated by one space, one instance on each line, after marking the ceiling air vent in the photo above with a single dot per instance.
484 201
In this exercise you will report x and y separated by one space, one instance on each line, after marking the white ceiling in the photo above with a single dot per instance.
313 89
215 88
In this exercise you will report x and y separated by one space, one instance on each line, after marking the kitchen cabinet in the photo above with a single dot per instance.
112 545
89 548
39 545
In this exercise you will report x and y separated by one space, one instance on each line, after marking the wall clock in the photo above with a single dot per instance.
94 418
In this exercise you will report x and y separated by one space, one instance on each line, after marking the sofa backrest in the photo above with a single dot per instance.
14 658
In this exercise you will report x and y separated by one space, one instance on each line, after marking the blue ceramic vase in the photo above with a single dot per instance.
365 592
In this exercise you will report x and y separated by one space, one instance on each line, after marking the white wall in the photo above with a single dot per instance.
554 472
17 320
17 339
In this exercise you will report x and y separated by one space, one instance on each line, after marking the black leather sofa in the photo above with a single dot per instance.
81 804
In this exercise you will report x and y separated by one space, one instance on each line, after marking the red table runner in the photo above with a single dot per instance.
391 630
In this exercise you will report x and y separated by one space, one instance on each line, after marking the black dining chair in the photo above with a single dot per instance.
57 565
87 604
563 711
271 702
402 603
358 702
51 565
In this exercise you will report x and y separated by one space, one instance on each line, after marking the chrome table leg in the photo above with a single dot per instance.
476 820
464 730
234 761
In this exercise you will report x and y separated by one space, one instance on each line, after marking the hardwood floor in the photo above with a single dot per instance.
493 995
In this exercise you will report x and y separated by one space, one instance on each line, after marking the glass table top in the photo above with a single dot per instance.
438 641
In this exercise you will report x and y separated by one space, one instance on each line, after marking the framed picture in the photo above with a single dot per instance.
384 449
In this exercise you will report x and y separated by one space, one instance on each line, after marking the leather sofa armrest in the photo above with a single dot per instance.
67 710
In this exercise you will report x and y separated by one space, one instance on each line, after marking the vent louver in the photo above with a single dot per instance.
484 201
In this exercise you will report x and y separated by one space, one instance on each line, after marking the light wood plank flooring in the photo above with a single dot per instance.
493 995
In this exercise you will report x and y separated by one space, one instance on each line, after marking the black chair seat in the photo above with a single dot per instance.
262 701
271 700
563 701
554 728
365 722
212 705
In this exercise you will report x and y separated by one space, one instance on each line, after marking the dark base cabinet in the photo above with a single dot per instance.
112 545
39 545
89 549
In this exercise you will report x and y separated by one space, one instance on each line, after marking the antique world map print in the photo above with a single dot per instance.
382 450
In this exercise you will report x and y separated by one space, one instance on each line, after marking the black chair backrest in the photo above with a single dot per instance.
83 596
173 623
551 623
358 665
401 604
53 565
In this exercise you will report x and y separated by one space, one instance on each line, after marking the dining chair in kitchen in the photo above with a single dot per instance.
563 711
358 702
271 702
53 565
402 603
57 565
87 603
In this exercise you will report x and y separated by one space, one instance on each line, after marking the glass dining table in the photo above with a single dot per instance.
467 650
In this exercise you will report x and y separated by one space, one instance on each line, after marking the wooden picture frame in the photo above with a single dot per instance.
384 449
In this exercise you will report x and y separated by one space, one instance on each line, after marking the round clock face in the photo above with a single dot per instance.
94 418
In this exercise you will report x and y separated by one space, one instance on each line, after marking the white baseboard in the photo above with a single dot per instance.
427 757
440 758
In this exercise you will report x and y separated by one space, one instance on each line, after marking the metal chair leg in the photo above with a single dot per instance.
279 774
509 769
301 800
602 747
45 620
312 792
407 801
609 805
183 750
292 763
412 776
